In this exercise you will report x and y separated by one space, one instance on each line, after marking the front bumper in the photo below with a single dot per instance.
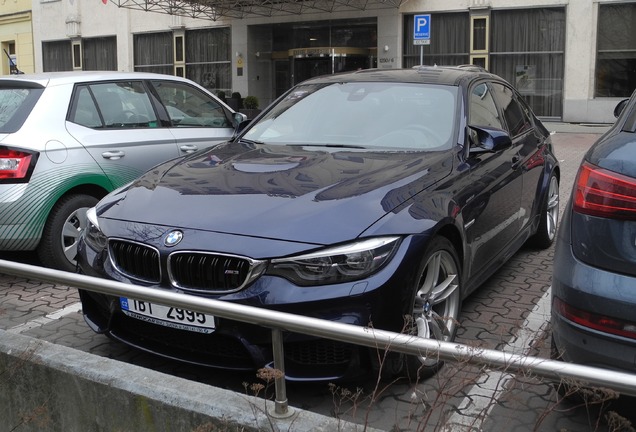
241 346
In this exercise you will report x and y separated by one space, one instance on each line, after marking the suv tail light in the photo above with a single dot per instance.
593 321
15 164
604 193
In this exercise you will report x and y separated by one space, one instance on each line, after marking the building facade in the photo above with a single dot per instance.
572 59
16 37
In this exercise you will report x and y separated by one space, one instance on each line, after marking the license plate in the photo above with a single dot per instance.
167 316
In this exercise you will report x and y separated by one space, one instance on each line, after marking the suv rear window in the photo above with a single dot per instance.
15 105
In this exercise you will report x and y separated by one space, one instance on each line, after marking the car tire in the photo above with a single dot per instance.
66 221
549 216
433 311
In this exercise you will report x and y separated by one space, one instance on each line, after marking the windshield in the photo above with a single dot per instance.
365 115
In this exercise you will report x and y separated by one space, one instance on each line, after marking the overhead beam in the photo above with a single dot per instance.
239 9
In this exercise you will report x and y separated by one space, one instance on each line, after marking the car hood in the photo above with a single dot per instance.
297 193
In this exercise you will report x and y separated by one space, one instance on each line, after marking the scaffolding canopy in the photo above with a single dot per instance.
218 9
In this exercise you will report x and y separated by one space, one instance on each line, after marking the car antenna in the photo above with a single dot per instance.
12 66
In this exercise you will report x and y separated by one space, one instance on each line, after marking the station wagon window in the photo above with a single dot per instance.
190 107
123 104
85 112
516 118
15 106
483 111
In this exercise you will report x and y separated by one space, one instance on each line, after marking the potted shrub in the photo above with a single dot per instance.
235 101
250 107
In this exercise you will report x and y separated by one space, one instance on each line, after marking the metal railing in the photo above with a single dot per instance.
624 383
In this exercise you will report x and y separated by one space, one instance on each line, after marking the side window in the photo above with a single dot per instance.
124 104
187 106
482 109
516 118
84 111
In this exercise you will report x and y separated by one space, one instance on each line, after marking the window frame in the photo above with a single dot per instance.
151 106
157 93
527 125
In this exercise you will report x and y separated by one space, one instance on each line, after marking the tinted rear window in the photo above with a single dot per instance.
15 105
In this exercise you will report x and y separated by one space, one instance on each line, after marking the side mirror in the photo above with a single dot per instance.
237 119
488 139
240 127
620 107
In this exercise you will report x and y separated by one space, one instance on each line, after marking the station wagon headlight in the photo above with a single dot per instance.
93 236
345 263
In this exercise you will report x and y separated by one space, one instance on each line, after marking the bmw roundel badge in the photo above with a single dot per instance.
173 238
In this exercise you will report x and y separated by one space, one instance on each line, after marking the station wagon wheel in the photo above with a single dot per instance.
58 245
549 217
435 307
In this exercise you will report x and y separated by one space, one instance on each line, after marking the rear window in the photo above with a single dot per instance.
15 106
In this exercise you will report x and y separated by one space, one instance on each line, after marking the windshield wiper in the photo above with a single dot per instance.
328 145
247 141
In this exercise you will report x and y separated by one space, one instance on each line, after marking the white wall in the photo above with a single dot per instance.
97 19
579 104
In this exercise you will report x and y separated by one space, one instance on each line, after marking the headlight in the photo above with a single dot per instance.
345 263
93 236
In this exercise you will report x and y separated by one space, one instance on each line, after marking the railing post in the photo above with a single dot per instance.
281 405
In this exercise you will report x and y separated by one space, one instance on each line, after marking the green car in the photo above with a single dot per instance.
69 138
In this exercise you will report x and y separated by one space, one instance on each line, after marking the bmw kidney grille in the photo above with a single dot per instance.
135 260
210 272
192 271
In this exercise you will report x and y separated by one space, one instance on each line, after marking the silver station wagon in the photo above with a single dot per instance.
69 138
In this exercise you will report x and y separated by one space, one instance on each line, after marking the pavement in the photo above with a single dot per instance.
592 128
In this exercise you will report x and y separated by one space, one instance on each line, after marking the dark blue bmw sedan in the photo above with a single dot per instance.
376 198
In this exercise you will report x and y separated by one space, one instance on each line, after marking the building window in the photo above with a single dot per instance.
527 49
77 55
153 52
10 63
450 38
479 34
616 50
99 53
96 54
178 49
208 58
57 56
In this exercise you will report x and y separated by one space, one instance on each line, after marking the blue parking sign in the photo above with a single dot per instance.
422 27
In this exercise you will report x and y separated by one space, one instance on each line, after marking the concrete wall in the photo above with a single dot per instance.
46 387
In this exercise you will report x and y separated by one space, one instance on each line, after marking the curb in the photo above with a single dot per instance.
591 128
48 387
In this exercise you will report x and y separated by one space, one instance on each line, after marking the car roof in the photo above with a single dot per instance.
445 75
58 78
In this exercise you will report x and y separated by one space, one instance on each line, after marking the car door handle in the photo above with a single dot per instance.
113 155
188 148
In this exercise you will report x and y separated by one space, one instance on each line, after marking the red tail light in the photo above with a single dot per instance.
597 322
604 193
14 164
